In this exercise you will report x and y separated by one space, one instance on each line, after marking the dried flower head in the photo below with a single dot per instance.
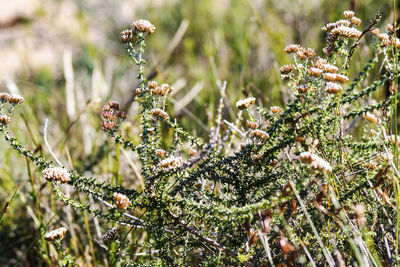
121 115
15 99
110 235
171 162
162 90
108 126
329 49
346 32
55 234
341 78
333 88
316 162
152 84
4 97
370 117
276 109
56 174
302 88
309 52
348 14
329 77
252 124
144 26
245 103
126 36
192 152
329 68
320 62
259 134
160 153
293 48
4 119
286 69
316 72
121 201
159 114
355 21
359 211
375 31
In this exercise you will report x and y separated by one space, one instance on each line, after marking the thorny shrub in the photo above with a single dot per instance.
314 182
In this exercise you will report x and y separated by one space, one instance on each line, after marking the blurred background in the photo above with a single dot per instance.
65 58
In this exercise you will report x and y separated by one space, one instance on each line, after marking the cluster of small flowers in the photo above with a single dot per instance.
55 234
11 98
301 52
4 119
159 90
245 103
158 113
316 162
141 25
386 39
121 201
56 174
341 28
259 134
112 117
252 124
160 153
171 162
276 109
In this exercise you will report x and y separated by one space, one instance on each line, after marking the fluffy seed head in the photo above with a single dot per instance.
348 14
245 103
316 162
55 234
159 113
333 88
359 211
259 134
56 174
121 201
4 119
144 26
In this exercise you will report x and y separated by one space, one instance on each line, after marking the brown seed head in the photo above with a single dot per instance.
56 174
121 201
251 124
314 72
329 77
160 153
171 162
259 134
346 32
